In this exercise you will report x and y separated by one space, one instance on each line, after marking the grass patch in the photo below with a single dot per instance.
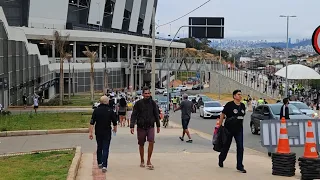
48 166
77 100
44 121
83 100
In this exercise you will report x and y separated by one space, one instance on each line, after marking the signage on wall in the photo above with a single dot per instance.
316 40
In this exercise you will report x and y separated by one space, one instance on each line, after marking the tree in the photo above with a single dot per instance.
59 42
92 56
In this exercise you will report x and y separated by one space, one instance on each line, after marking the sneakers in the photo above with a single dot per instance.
242 170
181 138
221 164
189 141
100 166
104 169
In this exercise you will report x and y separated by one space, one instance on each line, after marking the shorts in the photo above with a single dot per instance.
145 134
35 107
129 114
185 123
122 113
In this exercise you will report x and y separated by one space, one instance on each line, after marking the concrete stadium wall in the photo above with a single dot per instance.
228 85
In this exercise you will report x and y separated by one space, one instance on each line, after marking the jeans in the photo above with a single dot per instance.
103 145
238 136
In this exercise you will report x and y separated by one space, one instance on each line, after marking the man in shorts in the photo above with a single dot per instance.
145 114
186 108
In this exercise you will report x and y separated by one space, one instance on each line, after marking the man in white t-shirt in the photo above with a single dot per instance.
35 104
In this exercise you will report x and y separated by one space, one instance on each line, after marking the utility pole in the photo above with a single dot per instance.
69 83
153 61
287 54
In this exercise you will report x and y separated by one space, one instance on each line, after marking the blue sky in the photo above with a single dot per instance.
246 19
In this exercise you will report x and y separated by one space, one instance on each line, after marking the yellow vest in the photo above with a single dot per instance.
260 101
174 100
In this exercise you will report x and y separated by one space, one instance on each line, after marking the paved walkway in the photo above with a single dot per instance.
172 158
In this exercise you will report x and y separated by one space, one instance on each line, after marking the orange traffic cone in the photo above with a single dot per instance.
310 148
283 143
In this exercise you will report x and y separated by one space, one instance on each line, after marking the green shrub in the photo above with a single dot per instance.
56 102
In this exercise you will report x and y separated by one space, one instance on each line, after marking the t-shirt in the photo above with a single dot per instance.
35 102
232 110
186 107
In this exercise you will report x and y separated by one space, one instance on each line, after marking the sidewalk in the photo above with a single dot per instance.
173 159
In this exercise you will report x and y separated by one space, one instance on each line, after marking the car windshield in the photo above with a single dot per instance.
275 108
205 98
212 104
300 105
191 97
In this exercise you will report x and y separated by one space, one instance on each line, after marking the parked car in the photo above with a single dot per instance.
304 109
197 87
211 109
272 112
160 90
162 101
192 97
182 87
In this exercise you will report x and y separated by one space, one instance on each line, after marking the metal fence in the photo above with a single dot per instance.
297 128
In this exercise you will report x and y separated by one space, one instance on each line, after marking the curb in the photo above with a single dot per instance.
42 132
209 137
73 170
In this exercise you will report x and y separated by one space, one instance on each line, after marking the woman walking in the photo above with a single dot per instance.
122 110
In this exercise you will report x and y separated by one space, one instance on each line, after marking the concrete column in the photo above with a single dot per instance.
53 50
74 51
142 51
112 52
106 55
136 73
140 78
100 52
128 52
118 52
161 52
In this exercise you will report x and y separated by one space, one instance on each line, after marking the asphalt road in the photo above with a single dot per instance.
206 125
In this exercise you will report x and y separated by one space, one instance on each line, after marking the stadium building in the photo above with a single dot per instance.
112 28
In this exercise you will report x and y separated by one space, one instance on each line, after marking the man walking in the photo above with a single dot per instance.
145 114
102 117
186 108
284 111
234 112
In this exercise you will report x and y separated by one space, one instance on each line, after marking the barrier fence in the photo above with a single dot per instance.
297 128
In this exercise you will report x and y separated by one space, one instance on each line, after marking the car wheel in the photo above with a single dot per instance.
253 129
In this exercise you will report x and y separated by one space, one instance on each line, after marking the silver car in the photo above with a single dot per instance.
304 109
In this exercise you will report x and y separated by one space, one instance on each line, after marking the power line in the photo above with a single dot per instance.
185 14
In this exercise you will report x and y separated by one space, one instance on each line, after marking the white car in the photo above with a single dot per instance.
182 87
211 109
192 97
160 90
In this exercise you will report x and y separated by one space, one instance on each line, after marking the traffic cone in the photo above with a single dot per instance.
310 148
283 143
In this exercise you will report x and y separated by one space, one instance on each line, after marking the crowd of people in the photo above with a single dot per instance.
145 118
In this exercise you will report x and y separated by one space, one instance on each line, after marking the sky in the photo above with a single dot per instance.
245 19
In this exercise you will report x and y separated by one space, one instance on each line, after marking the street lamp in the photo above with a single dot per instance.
287 51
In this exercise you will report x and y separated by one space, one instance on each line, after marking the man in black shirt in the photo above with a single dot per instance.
234 111
284 111
145 114
102 118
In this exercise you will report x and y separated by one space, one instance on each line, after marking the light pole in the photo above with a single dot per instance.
99 22
153 60
287 52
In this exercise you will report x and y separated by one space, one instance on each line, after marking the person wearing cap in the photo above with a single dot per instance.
102 119
234 111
